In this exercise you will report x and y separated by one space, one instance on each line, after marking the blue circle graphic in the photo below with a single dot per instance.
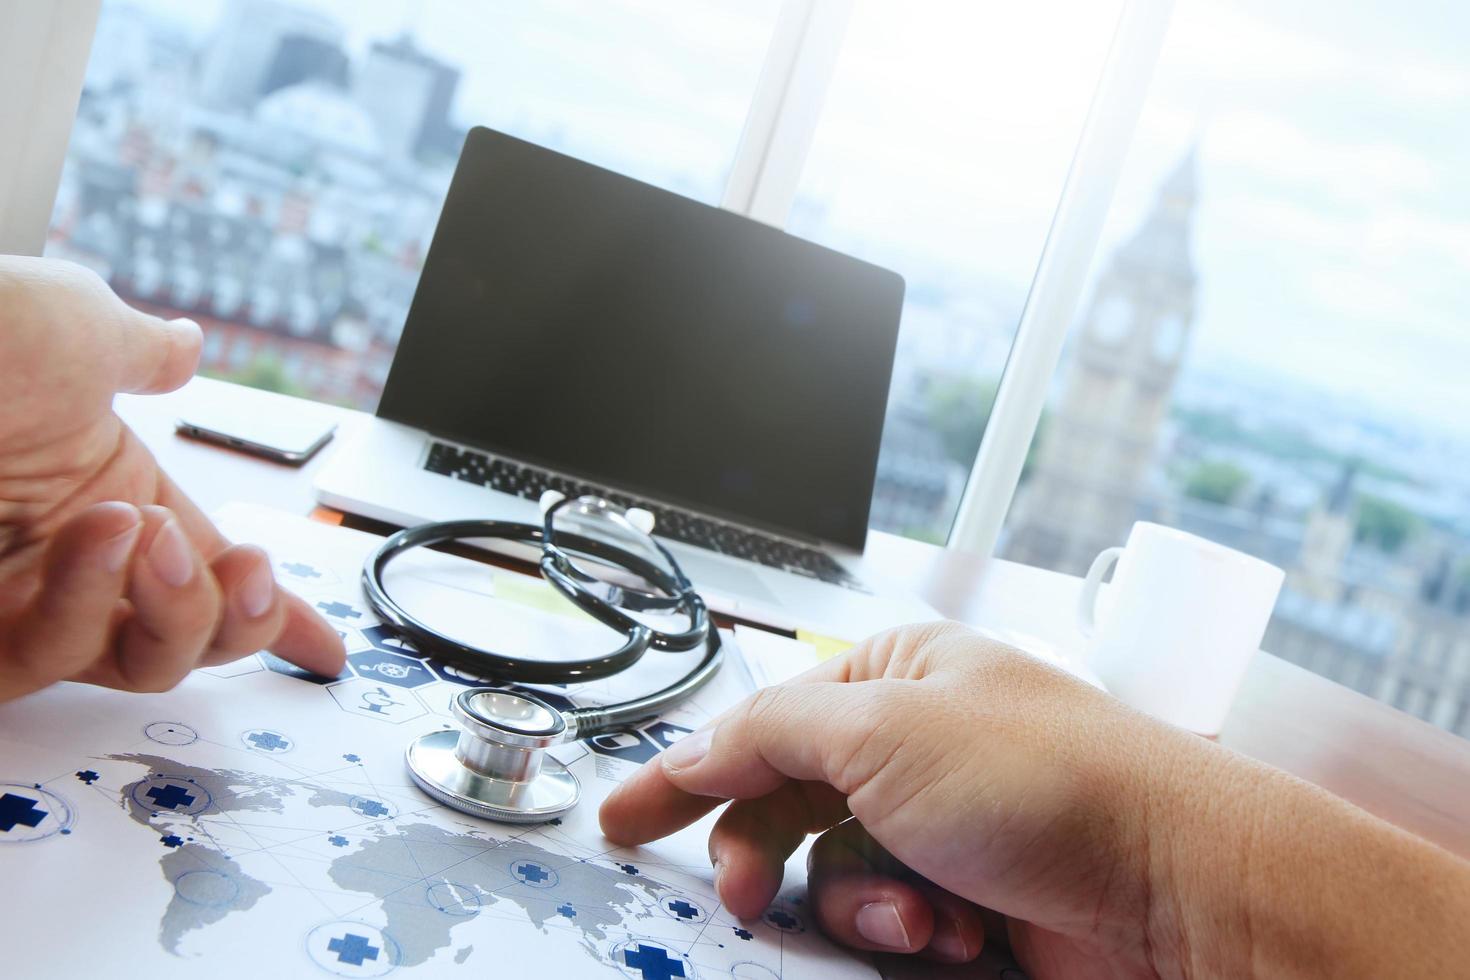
749 970
641 958
29 813
376 809
454 898
164 794
171 733
352 949
784 919
266 741
211 889
682 909
533 873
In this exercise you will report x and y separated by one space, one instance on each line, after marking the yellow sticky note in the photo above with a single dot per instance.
827 647
523 590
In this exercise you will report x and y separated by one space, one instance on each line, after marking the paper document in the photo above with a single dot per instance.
257 822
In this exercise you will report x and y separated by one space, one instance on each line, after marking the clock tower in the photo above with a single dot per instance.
1096 447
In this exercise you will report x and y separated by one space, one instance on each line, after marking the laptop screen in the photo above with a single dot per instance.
578 319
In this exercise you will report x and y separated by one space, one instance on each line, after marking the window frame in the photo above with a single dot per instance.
45 57
43 62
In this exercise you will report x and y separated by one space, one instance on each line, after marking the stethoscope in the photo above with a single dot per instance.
497 765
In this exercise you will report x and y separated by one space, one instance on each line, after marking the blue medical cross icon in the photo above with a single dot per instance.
681 908
352 949
654 962
88 776
171 840
532 872
567 910
16 809
371 808
300 569
339 610
268 741
783 920
170 796
744 934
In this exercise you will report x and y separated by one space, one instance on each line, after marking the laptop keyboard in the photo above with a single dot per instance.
726 539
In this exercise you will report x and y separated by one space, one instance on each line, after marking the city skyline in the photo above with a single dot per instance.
1339 322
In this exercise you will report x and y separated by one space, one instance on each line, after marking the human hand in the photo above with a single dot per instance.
108 573
936 742
988 789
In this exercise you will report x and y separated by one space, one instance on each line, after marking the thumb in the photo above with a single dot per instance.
836 733
154 355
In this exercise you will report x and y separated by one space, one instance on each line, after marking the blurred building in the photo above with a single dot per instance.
1393 626
409 94
1094 458
303 58
247 45
262 206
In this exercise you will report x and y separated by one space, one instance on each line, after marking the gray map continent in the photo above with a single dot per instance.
420 870
208 887
208 884
427 879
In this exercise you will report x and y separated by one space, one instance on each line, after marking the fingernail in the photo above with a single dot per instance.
169 556
688 750
115 550
949 942
879 924
257 591
719 877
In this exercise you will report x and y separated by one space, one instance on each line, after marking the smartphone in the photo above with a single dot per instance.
289 440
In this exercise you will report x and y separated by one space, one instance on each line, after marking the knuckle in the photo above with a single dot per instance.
762 709
902 651
869 742
156 679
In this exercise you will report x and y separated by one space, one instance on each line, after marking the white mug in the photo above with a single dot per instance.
1184 619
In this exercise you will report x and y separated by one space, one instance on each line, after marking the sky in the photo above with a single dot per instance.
1333 233
657 89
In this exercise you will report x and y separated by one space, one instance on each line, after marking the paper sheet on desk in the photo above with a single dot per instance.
255 822
773 658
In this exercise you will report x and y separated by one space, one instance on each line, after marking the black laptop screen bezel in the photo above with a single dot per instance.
856 302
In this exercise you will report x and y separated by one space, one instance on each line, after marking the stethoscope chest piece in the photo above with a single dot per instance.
497 766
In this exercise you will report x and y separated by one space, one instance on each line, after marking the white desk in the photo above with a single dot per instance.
1391 764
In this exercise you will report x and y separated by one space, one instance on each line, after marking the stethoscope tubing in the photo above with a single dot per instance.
558 571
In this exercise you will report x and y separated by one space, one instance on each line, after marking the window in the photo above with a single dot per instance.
274 168
1279 311
941 154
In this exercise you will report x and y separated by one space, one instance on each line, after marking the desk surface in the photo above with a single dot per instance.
1389 763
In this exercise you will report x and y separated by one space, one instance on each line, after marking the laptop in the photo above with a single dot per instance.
577 330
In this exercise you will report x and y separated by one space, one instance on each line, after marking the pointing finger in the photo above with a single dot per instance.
305 639
253 613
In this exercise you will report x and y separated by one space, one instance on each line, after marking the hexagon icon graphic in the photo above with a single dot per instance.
390 668
379 701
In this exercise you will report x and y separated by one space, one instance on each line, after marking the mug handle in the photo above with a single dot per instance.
1087 602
